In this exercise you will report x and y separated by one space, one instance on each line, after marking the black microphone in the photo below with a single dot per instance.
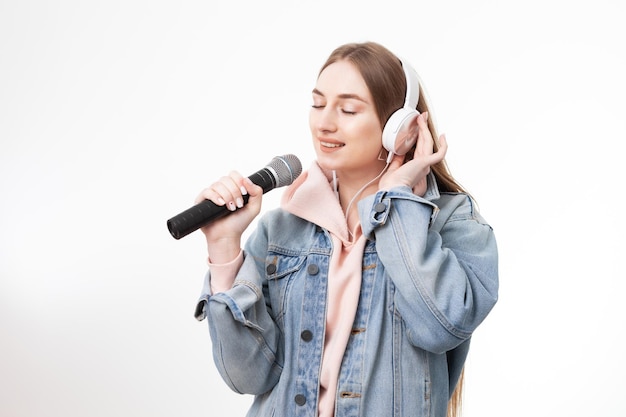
280 171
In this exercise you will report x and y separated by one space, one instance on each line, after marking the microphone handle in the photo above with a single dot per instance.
196 217
207 211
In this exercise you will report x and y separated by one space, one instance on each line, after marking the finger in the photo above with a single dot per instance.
209 194
425 139
441 151
227 191
218 194
251 188
232 190
237 188
396 162
443 144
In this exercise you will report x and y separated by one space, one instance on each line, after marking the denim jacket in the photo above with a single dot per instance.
430 277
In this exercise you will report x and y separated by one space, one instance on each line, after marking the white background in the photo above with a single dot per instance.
114 115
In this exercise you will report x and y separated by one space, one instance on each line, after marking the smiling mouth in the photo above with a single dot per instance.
331 145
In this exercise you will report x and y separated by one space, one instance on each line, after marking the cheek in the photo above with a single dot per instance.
313 121
373 135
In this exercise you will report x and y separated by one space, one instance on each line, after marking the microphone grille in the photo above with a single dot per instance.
287 169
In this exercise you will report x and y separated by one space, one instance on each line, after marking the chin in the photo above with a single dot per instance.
328 162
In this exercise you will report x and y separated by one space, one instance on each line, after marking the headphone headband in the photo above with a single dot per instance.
412 85
400 132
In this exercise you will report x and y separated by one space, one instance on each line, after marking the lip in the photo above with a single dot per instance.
330 145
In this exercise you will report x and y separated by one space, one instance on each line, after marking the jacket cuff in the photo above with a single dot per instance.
240 295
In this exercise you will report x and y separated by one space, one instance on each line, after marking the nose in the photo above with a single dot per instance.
323 119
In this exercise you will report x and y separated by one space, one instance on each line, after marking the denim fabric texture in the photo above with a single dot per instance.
430 277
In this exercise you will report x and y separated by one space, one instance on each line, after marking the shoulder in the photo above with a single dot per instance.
283 228
457 204
280 218
457 207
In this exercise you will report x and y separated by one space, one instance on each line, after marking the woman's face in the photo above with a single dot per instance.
343 121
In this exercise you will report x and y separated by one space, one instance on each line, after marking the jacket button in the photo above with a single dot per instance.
307 335
313 269
271 268
300 399
380 207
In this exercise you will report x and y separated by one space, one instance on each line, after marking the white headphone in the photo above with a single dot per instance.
400 131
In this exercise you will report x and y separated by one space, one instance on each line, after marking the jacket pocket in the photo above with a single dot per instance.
280 268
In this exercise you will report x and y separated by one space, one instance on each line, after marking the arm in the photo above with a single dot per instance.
445 274
244 336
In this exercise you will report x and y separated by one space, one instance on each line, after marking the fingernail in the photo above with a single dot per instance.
239 202
221 201
243 190
231 206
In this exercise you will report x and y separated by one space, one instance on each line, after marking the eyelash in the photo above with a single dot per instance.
350 113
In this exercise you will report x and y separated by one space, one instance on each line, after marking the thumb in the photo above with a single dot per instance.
252 189
396 162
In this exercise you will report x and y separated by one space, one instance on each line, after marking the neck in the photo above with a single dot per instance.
353 188
352 180
354 193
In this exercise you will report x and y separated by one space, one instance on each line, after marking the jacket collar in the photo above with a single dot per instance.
312 198
432 190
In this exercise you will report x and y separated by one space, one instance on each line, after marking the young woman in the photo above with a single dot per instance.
359 295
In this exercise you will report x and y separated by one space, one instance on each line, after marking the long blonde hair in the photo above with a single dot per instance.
384 76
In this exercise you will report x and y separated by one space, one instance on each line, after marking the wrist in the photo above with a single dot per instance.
223 250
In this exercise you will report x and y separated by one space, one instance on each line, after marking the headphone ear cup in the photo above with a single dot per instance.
400 131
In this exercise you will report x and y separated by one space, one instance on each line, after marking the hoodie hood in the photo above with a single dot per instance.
311 197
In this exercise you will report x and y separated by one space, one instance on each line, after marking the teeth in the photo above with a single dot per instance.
331 145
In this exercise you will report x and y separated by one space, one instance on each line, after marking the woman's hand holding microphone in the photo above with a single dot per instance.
223 236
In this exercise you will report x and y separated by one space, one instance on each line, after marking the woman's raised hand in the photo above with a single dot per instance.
413 173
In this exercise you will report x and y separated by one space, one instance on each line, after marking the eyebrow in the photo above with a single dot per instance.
342 96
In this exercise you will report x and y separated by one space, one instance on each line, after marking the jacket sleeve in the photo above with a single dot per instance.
244 337
443 262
